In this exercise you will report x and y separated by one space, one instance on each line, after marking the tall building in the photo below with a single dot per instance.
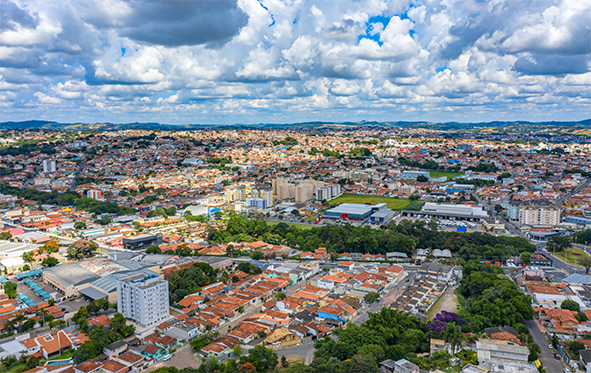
285 191
263 191
94 194
143 298
49 166
328 192
236 193
306 190
539 215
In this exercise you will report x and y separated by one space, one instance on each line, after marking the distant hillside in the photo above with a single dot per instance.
49 125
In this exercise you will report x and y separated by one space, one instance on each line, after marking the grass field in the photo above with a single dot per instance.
572 256
297 225
393 203
449 175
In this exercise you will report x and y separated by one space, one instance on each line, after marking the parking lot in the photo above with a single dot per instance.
21 288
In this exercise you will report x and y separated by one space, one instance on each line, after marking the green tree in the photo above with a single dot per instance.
568 304
10 289
79 225
370 298
50 261
585 261
360 364
256 255
558 243
453 335
32 362
264 359
525 258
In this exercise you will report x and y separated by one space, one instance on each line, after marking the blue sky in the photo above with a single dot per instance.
276 61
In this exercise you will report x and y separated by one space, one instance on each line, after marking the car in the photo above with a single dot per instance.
166 357
557 357
407 280
550 346
404 288
566 370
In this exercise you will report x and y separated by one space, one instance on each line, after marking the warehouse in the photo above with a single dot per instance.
68 279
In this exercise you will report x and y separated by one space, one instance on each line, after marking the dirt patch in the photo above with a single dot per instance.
294 359
448 302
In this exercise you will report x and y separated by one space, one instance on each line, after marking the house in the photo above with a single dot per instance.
90 366
219 347
116 348
112 366
399 366
586 359
439 272
505 333
161 340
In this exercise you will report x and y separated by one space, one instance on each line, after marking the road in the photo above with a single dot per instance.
546 357
305 350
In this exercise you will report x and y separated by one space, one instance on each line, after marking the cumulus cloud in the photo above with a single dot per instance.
232 61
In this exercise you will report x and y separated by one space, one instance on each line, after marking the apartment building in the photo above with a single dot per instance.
539 215
328 192
260 203
236 193
263 191
143 298
49 166
94 194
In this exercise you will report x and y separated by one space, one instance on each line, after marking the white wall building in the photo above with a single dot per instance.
143 298
49 166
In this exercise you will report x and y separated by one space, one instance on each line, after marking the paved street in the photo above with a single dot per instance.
547 355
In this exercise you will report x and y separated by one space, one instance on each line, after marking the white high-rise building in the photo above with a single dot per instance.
143 298
49 166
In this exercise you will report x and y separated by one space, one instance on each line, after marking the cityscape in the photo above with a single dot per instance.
295 186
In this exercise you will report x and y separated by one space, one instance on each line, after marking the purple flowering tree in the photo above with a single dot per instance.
442 320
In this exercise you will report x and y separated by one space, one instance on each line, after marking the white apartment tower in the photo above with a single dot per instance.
49 166
143 298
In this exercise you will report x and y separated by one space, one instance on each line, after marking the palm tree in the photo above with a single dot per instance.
453 335
20 319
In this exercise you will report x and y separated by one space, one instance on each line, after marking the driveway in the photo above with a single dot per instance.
547 355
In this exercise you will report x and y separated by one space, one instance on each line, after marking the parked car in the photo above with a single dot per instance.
550 346
166 357
557 357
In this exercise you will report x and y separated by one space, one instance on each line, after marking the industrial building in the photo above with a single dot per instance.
142 242
143 298
352 211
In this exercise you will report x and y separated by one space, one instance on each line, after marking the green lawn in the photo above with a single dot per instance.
393 203
297 225
66 355
572 256
17 368
449 175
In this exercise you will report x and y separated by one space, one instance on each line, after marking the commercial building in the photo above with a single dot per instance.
353 211
449 211
49 166
69 279
141 242
260 203
263 191
503 356
539 215
143 298
412 175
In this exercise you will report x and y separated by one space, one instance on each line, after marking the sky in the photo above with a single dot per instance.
287 61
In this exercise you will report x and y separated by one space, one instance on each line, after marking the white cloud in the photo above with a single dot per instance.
287 60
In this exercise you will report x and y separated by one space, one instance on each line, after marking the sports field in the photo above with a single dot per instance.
393 203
